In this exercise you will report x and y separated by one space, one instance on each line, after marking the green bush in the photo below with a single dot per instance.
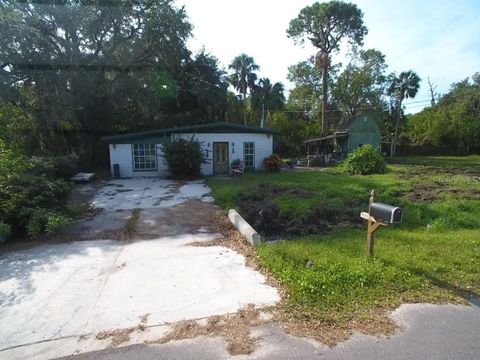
184 157
36 223
365 160
4 230
56 222
54 167
45 221
25 195
272 163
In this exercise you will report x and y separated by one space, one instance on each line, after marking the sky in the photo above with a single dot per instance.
439 39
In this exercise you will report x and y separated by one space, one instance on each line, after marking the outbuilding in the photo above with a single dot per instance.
350 134
140 154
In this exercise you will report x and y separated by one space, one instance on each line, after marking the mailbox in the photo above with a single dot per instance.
387 213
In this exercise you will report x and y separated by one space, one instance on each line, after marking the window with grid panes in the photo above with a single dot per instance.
249 154
144 157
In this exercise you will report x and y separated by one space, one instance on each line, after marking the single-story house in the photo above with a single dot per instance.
140 154
349 135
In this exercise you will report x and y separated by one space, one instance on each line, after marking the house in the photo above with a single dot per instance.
140 154
349 135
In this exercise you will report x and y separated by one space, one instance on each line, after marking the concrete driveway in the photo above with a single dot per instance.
55 298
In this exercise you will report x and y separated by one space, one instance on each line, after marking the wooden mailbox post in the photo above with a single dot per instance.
379 215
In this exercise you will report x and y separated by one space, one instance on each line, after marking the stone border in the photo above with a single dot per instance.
244 227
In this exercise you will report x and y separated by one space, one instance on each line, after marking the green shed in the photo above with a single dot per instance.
361 130
349 135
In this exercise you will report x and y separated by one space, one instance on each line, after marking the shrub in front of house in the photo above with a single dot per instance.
184 157
272 163
364 161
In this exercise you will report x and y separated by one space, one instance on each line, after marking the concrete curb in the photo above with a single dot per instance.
244 227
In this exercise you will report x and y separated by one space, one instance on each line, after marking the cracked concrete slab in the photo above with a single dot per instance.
61 293
148 193
64 290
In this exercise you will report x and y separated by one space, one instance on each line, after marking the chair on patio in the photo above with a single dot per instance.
238 170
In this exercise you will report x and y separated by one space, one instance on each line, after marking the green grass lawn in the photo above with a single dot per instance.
433 256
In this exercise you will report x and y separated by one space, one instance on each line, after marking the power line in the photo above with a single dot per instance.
420 101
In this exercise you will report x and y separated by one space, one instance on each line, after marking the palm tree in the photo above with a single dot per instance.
243 78
405 86
267 96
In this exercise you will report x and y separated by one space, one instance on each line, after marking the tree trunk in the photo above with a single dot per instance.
324 99
393 150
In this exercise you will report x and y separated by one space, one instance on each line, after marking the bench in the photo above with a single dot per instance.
238 170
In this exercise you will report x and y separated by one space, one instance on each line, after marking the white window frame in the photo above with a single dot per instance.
146 154
249 150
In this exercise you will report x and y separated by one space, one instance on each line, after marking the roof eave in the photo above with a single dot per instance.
202 128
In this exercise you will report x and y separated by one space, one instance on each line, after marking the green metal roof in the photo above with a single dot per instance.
160 135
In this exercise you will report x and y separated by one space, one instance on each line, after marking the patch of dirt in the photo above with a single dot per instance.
301 324
117 337
234 329
419 170
83 194
264 215
186 217
430 193
120 336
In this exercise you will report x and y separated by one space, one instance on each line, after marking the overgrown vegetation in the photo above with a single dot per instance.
453 120
364 160
184 157
31 200
132 222
433 256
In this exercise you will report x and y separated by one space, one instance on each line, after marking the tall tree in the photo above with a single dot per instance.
86 66
267 96
204 88
326 25
404 86
361 85
307 80
243 77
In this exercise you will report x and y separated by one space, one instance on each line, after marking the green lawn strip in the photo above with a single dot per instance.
332 278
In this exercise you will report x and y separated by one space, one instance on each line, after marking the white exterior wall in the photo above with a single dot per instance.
263 147
122 155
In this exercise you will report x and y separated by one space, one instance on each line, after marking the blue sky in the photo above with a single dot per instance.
437 39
